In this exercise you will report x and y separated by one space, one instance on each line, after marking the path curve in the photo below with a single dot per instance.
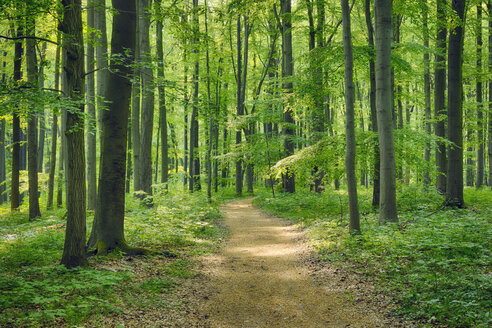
259 279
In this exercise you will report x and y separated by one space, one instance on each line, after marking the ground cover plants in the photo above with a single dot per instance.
436 261
36 291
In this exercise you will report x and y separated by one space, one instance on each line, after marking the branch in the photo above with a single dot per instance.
27 37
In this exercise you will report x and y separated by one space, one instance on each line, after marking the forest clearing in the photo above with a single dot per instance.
240 163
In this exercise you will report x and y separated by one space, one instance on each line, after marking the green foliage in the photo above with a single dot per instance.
36 291
436 261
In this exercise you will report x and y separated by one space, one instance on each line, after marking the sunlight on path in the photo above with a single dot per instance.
259 280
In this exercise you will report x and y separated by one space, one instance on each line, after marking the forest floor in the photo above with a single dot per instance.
267 276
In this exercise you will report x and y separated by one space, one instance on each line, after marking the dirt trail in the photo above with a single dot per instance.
260 279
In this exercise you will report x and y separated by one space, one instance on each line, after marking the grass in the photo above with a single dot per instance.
36 291
436 262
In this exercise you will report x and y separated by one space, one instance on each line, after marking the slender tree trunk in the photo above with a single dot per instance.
42 115
16 129
387 203
54 131
209 112
439 95
108 228
162 99
147 96
287 85
73 67
372 99
354 225
480 148
240 108
3 173
194 128
427 91
454 188
91 111
32 121
489 7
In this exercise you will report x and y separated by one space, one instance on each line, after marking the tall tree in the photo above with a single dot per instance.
73 67
454 182
239 106
194 127
288 179
32 121
372 100
480 148
3 173
101 56
91 110
162 96
384 35
427 89
42 116
108 227
147 96
489 7
439 95
16 129
354 225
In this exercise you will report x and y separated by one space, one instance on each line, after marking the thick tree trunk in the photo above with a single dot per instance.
108 228
480 148
147 77
354 224
288 179
439 95
74 253
32 121
91 111
454 186
387 203
162 100
16 129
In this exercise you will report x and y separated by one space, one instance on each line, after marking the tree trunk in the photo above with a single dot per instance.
489 7
288 178
42 115
372 99
480 148
147 96
162 100
108 227
73 67
427 91
16 129
209 112
32 123
354 225
439 95
194 128
102 58
387 203
3 173
454 186
91 112
240 108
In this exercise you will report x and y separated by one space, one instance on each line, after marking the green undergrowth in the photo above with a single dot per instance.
436 261
36 291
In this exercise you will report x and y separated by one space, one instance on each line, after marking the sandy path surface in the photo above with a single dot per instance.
261 279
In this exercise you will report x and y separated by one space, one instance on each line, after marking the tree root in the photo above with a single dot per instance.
102 248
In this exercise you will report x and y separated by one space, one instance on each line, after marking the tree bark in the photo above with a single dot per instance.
101 59
147 96
354 224
108 227
384 106
73 67
162 99
240 107
489 7
454 185
288 178
427 91
480 148
16 129
3 173
439 95
91 111
372 99
32 121
42 115
194 127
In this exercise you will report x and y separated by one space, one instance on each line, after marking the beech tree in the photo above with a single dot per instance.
384 35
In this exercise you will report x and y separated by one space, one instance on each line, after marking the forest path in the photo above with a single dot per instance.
262 278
